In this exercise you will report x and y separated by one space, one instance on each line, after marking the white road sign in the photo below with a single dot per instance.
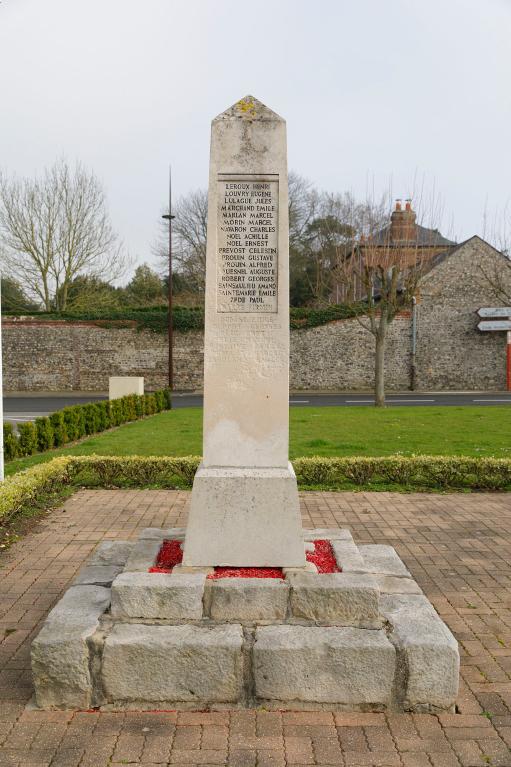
499 311
495 325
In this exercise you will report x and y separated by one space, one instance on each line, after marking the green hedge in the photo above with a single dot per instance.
23 489
433 472
186 318
428 472
73 423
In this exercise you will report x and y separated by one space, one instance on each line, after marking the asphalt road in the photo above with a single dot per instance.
28 407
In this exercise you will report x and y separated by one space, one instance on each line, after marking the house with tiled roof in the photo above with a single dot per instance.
403 240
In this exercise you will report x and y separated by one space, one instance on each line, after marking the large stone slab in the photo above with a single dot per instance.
143 555
247 599
121 386
393 584
346 599
348 666
348 556
97 575
111 553
158 596
252 519
60 653
382 560
80 603
427 651
156 664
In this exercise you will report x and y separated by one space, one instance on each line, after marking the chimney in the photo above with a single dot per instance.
402 224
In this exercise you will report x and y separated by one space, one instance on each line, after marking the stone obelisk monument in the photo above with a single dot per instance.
244 509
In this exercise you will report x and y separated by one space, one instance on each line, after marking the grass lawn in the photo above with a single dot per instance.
326 431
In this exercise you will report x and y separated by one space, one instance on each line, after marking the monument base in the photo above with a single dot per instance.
244 517
363 639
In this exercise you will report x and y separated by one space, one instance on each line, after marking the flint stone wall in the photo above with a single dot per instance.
451 353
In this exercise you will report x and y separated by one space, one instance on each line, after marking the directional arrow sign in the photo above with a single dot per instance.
495 325
500 311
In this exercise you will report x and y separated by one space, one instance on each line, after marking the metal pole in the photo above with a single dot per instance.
169 217
413 381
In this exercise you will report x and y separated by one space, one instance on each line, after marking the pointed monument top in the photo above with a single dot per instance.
249 108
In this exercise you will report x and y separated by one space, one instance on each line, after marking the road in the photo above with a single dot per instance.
28 407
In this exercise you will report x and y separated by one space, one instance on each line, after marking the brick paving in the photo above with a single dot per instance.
458 548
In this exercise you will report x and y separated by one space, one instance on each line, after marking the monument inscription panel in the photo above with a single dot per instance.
247 242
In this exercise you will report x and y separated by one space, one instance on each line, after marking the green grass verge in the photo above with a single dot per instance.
323 431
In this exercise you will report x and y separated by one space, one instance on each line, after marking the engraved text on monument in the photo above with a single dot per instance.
247 239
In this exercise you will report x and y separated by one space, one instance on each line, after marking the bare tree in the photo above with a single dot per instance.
57 227
498 275
189 230
385 272
303 206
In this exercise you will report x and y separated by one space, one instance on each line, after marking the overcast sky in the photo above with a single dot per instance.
372 91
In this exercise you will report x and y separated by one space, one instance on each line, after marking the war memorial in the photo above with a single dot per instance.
243 608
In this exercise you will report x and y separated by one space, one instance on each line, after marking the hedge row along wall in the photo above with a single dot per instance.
185 318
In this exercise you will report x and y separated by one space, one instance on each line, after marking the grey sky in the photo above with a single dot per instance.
372 90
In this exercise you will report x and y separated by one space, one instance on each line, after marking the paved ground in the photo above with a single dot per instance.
458 547
30 406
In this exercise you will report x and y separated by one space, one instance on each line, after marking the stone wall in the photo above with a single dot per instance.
451 353
80 356
340 356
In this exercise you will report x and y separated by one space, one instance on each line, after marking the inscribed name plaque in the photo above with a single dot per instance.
247 241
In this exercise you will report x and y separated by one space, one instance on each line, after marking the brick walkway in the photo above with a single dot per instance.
458 547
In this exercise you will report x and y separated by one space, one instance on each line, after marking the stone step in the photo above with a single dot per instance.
348 666
165 664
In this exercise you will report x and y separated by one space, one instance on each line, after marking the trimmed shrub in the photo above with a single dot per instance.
397 469
11 445
149 404
58 425
103 414
70 423
27 438
129 408
139 405
427 471
73 422
462 472
160 400
77 421
25 488
44 432
314 471
91 418
135 469
168 398
115 412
